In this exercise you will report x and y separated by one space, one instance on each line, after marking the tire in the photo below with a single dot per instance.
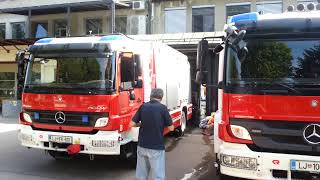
58 155
129 154
220 176
133 159
183 125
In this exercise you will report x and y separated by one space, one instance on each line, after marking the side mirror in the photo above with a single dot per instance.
218 49
242 54
221 85
203 48
21 61
239 37
201 77
132 96
202 51
138 83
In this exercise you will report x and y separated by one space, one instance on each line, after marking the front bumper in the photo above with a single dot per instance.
269 165
112 140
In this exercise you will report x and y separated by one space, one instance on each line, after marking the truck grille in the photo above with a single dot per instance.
71 118
278 136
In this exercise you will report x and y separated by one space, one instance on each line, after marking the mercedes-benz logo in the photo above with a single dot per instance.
311 133
314 103
60 117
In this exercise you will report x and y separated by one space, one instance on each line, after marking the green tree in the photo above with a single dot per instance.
309 63
79 70
267 60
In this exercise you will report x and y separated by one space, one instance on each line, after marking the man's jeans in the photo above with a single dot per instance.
150 159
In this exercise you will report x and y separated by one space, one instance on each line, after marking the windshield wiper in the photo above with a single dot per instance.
284 85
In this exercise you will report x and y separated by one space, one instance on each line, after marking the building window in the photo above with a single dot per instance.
234 9
203 19
2 31
175 20
121 24
60 28
7 85
273 7
18 30
40 30
94 26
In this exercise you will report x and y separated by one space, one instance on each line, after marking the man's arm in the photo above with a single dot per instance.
168 120
171 128
136 120
134 124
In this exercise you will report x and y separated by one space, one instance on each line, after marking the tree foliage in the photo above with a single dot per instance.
267 60
309 63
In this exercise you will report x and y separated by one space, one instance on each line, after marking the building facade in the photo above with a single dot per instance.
166 19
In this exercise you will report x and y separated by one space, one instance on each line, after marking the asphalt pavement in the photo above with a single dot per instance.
187 158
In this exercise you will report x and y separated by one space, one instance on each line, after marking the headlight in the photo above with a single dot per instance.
240 132
102 122
238 162
27 118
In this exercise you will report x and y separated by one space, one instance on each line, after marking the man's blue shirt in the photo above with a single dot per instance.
154 117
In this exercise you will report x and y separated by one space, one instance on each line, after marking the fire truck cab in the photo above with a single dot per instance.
266 77
80 93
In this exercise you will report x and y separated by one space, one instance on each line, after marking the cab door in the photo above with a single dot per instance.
131 91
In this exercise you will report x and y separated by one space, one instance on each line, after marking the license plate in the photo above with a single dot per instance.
60 139
310 166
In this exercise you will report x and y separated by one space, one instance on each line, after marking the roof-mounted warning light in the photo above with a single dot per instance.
112 38
246 17
44 41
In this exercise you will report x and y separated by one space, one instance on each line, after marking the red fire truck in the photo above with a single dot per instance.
266 95
81 92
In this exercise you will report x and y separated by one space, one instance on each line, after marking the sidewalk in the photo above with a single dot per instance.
8 124
8 120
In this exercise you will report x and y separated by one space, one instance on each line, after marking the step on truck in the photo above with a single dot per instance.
265 84
80 93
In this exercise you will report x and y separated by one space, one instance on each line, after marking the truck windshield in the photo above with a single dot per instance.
85 74
277 66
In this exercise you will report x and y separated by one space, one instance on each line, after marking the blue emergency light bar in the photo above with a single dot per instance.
112 38
246 17
44 41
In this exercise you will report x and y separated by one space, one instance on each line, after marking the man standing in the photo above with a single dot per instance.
152 117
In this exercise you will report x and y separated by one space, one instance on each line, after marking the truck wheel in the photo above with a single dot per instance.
128 153
183 125
133 158
58 155
219 176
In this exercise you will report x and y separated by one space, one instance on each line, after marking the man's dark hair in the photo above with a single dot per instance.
156 93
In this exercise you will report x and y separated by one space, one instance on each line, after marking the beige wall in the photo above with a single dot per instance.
8 68
78 20
5 4
220 11
9 56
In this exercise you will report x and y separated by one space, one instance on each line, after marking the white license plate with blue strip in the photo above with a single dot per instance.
309 166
